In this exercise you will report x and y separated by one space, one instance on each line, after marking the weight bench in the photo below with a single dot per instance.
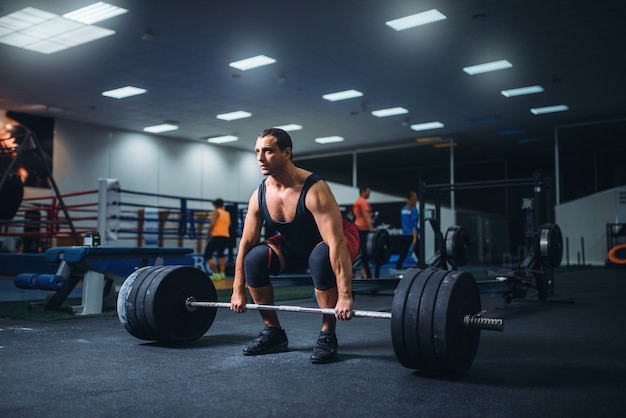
99 285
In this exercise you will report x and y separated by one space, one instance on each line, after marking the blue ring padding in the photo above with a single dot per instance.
49 282
25 280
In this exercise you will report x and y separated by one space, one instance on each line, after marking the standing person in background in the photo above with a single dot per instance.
217 236
409 215
364 222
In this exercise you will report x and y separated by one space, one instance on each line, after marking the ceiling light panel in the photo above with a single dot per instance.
46 33
328 139
548 109
239 114
391 111
290 127
23 19
222 139
342 95
487 67
417 19
426 126
253 62
521 91
123 92
97 12
165 127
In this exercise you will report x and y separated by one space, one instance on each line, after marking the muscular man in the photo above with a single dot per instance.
311 234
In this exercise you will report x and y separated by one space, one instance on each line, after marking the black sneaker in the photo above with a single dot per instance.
270 340
326 348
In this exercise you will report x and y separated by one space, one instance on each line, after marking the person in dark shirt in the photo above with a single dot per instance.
311 234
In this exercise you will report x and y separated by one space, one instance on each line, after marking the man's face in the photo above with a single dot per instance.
269 157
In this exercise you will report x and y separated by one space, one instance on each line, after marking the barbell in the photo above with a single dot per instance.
436 315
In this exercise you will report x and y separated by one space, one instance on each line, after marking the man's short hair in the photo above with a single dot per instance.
363 187
218 203
283 140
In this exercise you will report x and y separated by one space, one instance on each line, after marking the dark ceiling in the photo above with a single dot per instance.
574 49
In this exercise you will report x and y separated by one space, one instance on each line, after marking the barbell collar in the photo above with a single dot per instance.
469 321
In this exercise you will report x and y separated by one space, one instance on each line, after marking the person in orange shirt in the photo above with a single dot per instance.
218 237
364 222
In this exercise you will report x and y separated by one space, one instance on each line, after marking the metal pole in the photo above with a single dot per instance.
452 204
354 170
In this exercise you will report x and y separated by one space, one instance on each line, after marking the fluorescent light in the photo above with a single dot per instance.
328 139
391 111
446 144
95 13
522 91
123 92
418 19
23 19
342 95
253 62
240 114
548 109
165 127
222 139
426 139
290 127
426 126
488 66
40 31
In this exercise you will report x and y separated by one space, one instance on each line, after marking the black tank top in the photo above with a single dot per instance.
300 235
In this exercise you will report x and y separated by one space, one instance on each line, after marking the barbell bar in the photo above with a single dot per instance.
469 321
436 317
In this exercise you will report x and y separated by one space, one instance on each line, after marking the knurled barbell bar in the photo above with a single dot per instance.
436 317
469 321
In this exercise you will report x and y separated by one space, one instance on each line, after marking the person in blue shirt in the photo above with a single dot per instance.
409 214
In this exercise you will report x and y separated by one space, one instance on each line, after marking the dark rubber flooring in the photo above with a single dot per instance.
552 360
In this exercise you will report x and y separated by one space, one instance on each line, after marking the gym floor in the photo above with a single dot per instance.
553 359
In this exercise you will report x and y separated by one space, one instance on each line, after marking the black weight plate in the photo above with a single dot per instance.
457 244
165 305
455 345
397 316
126 303
550 245
378 246
423 327
140 300
412 317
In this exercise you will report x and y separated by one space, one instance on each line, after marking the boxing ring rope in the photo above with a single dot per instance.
122 217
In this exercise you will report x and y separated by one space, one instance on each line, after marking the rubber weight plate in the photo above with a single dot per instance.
143 292
165 310
455 345
414 315
457 245
126 303
378 246
550 245
398 308
424 350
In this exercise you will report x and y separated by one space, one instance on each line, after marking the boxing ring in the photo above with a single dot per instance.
122 218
